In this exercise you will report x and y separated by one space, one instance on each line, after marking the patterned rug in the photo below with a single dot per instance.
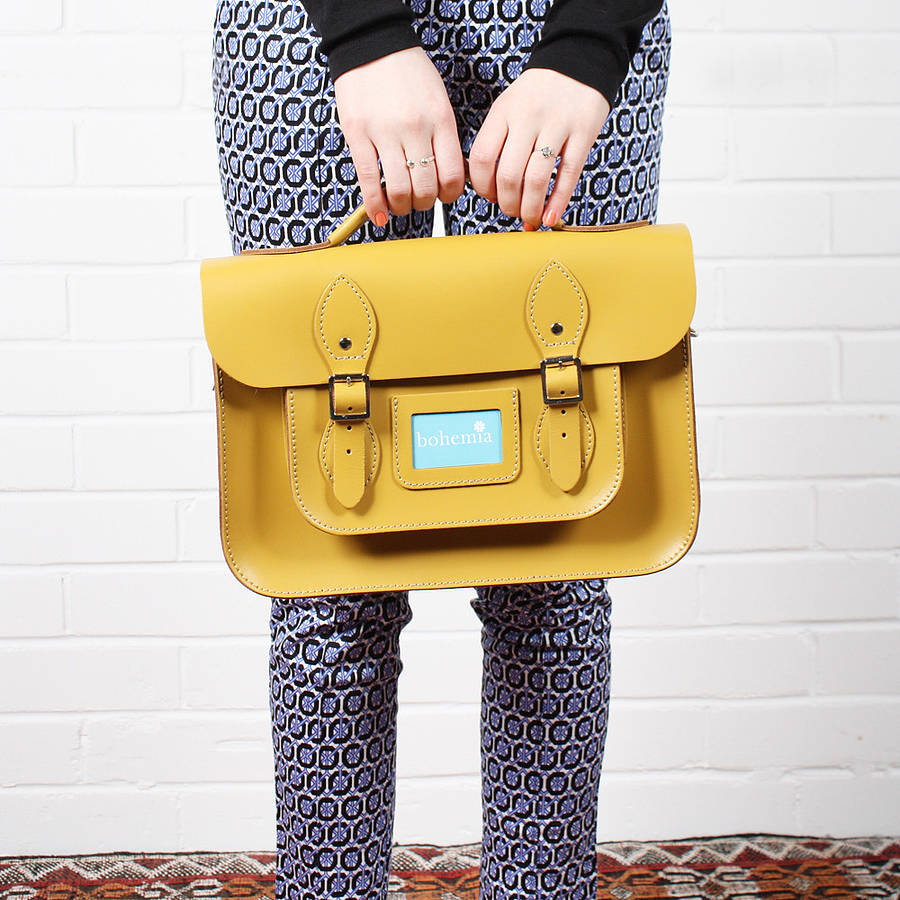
759 866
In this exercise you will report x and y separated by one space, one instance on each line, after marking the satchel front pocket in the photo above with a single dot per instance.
446 439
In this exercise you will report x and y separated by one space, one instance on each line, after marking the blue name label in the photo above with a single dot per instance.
466 438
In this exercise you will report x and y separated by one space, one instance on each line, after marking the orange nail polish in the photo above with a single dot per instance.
527 226
380 219
550 217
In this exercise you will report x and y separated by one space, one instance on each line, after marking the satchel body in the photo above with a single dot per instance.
465 410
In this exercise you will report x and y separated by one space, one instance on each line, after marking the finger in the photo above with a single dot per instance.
396 177
448 161
536 182
511 171
484 153
574 153
423 174
365 161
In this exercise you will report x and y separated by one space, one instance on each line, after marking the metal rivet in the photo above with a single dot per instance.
345 343
556 328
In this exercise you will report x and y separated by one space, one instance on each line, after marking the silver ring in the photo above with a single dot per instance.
422 162
547 152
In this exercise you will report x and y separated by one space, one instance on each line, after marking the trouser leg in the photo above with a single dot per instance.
334 663
544 709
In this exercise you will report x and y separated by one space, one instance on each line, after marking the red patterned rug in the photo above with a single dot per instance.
758 866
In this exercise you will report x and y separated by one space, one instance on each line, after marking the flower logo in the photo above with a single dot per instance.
478 426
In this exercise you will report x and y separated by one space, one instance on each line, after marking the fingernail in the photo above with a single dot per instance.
380 219
527 226
550 217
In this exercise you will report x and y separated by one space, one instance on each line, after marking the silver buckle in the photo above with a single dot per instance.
561 361
342 417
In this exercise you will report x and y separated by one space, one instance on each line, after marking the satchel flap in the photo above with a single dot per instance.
452 305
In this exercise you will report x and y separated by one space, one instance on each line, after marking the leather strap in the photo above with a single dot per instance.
557 313
345 330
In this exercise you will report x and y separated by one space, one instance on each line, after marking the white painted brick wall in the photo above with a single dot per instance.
756 685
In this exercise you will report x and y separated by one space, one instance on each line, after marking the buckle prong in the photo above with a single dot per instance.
348 379
560 361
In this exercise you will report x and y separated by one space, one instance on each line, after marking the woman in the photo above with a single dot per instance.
557 109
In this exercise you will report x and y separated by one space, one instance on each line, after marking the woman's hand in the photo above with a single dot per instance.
396 108
542 107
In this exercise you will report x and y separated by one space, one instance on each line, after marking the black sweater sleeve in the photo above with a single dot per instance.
589 40
354 32
593 41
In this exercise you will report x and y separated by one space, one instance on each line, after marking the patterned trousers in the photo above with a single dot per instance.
287 178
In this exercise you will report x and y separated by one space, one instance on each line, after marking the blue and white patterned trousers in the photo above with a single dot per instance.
287 178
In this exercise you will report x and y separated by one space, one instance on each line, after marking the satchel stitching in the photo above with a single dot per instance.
462 582
590 433
331 289
367 530
324 444
531 299
487 478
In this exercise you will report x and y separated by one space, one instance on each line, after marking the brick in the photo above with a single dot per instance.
809 444
73 528
53 751
439 668
809 732
92 225
230 674
721 69
136 148
714 665
731 222
207 226
847 802
866 221
754 517
238 817
37 15
662 598
867 65
861 515
40 823
811 15
858 660
62 71
811 145
870 372
93 378
136 304
147 455
35 304
178 601
735 369
35 456
37 150
227 747
31 604
695 145
797 589
198 528
811 294
87 675
438 741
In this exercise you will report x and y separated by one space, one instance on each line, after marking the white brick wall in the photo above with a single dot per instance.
756 684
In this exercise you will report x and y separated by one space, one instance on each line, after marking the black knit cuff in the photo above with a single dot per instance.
600 67
373 43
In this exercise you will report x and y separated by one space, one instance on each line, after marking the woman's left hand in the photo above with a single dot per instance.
542 107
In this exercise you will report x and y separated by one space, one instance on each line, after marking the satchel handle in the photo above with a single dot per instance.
349 224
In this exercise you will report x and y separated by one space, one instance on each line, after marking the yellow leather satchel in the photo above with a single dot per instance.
476 409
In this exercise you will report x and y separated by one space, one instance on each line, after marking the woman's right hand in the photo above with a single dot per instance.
396 108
